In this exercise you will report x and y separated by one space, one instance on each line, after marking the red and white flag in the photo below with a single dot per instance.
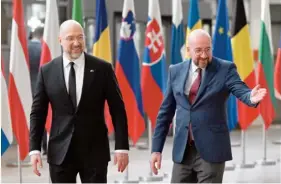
50 43
20 95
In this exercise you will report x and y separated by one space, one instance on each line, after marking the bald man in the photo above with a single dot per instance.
77 85
198 90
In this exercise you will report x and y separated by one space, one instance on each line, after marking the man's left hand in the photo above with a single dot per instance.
122 160
257 94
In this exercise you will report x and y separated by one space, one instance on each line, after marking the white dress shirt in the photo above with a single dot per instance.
79 67
192 75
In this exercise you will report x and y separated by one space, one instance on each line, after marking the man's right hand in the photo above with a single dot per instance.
36 161
155 162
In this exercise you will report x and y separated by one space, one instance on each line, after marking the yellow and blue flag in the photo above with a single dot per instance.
222 49
194 21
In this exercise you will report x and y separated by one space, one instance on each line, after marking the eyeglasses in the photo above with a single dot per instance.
200 51
73 38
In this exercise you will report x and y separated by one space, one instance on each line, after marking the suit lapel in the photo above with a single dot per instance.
209 74
89 72
61 79
184 71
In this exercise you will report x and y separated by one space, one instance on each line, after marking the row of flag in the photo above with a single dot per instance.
142 90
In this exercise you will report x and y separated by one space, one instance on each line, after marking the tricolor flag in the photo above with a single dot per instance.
20 96
153 79
177 42
102 47
50 43
77 12
194 21
128 72
222 49
243 58
6 126
277 73
265 68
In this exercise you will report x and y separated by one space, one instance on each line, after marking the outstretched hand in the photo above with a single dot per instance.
257 94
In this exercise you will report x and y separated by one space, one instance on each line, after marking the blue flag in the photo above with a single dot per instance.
177 43
222 49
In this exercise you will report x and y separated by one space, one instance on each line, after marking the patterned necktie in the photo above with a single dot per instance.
195 86
192 95
72 85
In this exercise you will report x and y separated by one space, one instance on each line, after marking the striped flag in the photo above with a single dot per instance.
6 126
222 49
102 47
243 58
77 12
153 79
20 96
277 73
194 21
128 72
50 43
177 43
265 67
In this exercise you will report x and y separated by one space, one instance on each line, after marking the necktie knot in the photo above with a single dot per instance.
72 64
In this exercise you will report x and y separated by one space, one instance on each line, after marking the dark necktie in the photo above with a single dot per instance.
72 85
192 95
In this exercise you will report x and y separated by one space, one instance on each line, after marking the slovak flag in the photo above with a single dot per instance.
128 72
153 78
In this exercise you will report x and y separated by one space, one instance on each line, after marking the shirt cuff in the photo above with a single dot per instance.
34 152
121 151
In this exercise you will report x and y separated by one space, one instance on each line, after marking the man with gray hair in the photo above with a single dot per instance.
198 89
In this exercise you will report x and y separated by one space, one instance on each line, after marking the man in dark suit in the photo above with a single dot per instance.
34 52
201 141
77 85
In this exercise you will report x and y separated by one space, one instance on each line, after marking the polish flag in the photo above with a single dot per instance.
50 43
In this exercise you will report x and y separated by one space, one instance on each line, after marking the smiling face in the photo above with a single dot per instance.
200 47
72 39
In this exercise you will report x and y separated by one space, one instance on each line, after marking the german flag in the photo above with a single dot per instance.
243 58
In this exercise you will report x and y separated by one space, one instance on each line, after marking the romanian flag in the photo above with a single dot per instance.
277 73
243 58
222 49
128 72
265 68
194 21
102 47
153 79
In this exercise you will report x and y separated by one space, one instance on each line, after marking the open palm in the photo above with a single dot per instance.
257 94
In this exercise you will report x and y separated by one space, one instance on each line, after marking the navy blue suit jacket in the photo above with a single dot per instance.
207 114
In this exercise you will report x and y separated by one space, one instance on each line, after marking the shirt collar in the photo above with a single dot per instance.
78 62
194 67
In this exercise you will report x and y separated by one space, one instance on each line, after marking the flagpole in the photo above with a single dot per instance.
264 161
19 165
150 177
243 164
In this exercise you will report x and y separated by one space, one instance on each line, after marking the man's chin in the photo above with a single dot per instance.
75 56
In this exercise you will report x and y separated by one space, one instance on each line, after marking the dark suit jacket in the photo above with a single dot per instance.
87 122
207 114
34 52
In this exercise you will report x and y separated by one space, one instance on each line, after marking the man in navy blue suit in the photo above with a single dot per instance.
198 90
